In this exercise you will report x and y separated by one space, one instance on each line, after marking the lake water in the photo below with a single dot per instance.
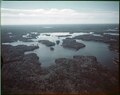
47 57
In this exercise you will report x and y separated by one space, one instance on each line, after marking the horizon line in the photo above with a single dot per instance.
59 24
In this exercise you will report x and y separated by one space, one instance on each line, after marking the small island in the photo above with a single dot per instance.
47 43
57 42
71 43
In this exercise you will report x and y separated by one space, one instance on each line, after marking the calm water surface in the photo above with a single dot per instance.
47 57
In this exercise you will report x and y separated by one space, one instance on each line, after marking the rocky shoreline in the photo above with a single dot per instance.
80 74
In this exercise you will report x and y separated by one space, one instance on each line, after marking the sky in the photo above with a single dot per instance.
59 12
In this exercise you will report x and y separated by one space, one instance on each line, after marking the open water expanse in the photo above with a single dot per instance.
60 32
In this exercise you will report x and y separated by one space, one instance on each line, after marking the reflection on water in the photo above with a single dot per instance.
47 57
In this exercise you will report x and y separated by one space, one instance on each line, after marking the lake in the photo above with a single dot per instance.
47 56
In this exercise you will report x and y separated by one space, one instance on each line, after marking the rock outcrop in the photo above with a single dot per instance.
51 48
